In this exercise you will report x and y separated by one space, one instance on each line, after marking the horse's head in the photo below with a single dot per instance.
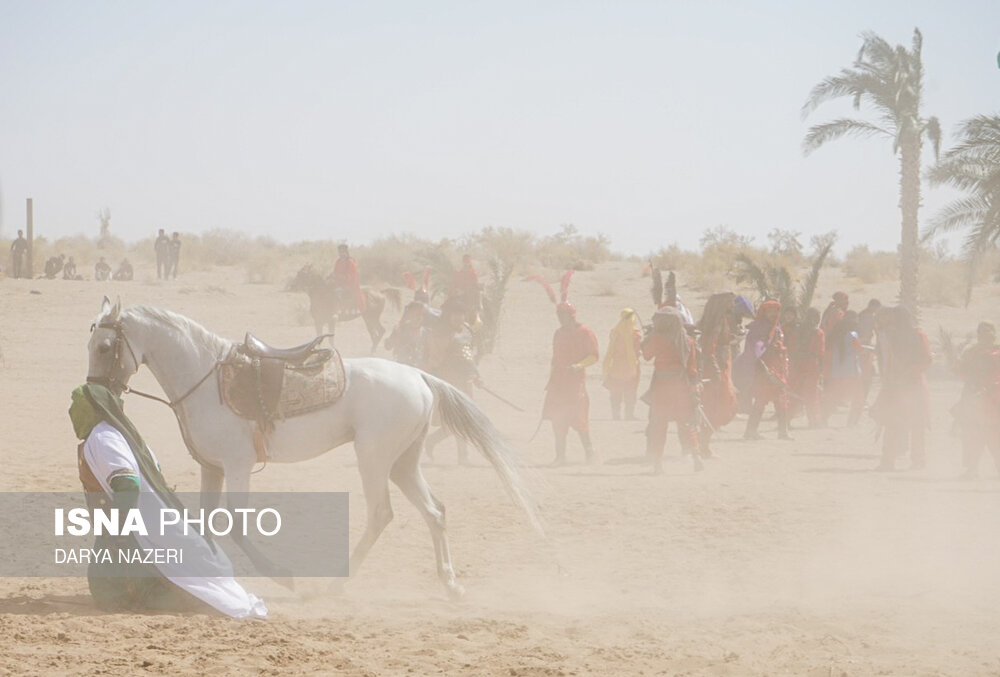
305 279
113 359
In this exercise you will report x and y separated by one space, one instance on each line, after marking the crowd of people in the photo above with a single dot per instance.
166 249
803 364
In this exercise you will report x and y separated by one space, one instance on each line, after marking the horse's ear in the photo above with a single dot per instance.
117 309
105 306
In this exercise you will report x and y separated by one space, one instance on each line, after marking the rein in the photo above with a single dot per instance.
175 403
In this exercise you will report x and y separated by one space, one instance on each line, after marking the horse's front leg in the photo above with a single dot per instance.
211 487
237 498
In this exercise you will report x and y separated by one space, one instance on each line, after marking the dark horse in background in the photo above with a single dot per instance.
329 305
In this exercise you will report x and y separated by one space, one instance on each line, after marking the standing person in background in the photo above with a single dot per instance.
843 369
719 326
465 285
805 366
574 348
866 334
902 406
978 410
790 329
763 367
448 355
161 247
175 255
621 365
834 312
346 280
673 391
18 249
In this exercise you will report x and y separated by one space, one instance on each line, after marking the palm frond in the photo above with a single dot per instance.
959 213
812 279
917 43
781 285
492 305
932 128
819 135
747 271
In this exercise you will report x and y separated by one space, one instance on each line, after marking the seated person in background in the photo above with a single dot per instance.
102 271
69 270
124 272
117 469
54 266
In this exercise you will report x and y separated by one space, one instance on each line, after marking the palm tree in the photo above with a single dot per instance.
972 166
890 81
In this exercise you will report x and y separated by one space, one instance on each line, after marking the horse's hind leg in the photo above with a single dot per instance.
374 482
407 476
375 329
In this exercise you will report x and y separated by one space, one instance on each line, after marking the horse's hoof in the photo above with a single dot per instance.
456 592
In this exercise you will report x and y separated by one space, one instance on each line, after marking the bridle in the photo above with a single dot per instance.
115 383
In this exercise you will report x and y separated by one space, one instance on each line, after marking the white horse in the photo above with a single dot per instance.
385 410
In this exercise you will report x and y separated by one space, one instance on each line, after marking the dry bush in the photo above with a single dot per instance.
569 249
942 282
869 266
508 245
387 258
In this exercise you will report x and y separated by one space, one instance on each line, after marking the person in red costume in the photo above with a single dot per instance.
834 312
902 406
805 364
574 348
764 363
465 282
673 392
719 326
347 279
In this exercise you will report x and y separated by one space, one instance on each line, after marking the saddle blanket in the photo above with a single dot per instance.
247 386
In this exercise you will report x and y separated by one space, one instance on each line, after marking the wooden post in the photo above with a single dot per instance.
31 240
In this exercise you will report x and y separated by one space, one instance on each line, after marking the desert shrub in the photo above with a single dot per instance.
942 282
869 266
506 244
786 244
569 249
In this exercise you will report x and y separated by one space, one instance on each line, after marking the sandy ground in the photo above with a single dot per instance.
780 558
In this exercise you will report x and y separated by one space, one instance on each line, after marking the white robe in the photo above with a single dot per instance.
107 453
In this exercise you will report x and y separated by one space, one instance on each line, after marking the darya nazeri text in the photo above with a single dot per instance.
119 556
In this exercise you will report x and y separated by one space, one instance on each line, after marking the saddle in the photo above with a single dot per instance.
263 383
254 347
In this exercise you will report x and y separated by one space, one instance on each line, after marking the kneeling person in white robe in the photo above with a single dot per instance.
117 469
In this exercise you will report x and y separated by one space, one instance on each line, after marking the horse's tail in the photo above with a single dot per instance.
463 418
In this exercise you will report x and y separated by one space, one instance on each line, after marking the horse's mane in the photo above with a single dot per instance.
184 326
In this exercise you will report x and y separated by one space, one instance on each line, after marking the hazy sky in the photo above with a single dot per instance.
648 121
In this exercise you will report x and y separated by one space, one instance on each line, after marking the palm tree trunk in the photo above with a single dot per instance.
909 205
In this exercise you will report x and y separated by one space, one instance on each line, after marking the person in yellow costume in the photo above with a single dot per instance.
621 365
